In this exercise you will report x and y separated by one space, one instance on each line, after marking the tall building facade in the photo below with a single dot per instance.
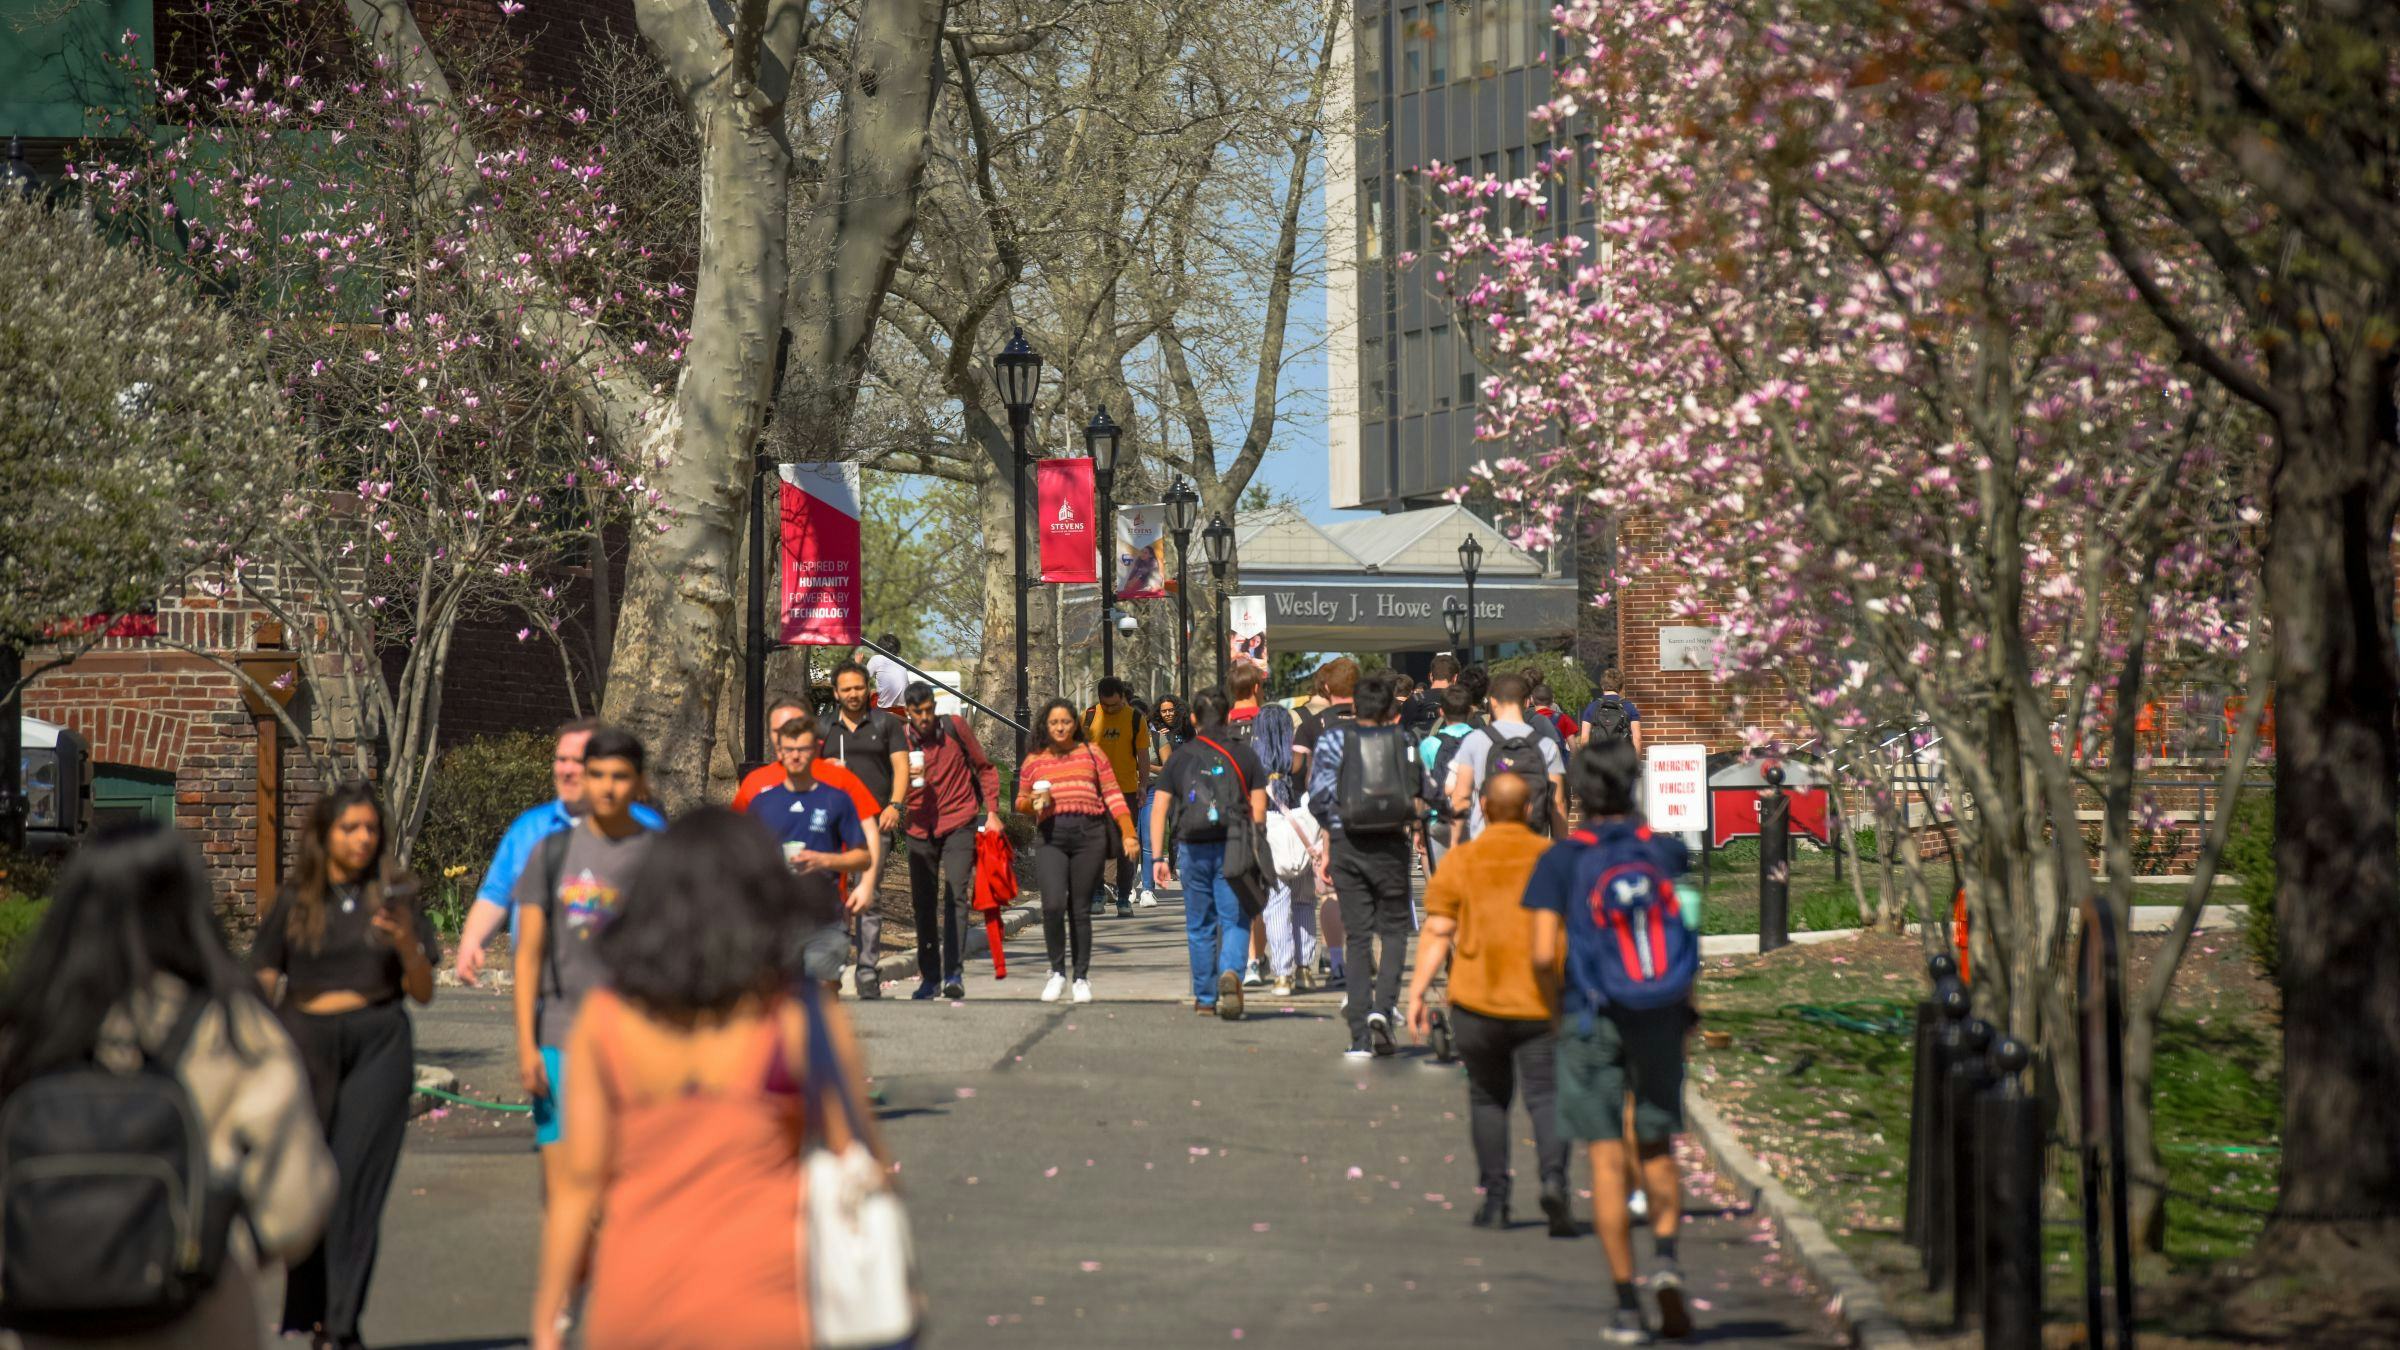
1428 82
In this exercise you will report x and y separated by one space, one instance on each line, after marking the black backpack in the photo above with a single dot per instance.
1521 755
1609 721
110 1220
1375 787
1443 760
1213 797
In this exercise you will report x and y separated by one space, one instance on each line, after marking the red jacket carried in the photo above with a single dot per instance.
995 870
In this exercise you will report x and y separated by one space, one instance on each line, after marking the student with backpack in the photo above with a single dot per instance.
1509 743
1438 750
1607 914
1363 780
1214 793
347 940
131 1043
568 894
1291 913
1611 717
954 790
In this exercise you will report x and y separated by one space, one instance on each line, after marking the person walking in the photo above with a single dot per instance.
689 1091
951 782
346 940
495 902
1625 1010
1363 783
1072 793
865 886
566 898
890 675
1611 716
1168 729
1120 732
818 828
1246 686
1291 912
1509 743
126 969
1436 751
1501 1012
872 744
1211 782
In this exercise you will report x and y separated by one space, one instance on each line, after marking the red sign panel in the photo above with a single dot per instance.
824 595
1067 521
1736 814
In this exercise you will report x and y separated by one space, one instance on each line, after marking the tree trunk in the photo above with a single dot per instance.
2329 587
675 633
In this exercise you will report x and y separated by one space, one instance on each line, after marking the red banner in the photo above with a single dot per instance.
1070 540
824 596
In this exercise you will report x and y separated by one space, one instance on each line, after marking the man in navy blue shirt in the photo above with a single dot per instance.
1605 1051
820 831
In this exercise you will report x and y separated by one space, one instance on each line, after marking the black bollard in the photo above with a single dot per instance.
2008 1131
1941 1197
1970 1074
1774 863
1928 1072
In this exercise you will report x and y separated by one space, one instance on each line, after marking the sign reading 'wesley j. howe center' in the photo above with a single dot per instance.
1398 616
1675 783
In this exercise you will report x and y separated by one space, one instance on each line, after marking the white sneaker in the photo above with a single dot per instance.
1057 986
1283 986
1149 899
1640 1206
1083 991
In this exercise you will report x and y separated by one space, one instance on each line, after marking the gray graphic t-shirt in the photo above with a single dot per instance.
591 884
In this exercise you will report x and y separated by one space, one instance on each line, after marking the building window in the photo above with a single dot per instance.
1413 375
1470 370
1465 15
1413 208
1445 365
1437 46
1517 21
1373 388
1549 184
1412 52
1491 17
1536 14
1585 179
1371 224
1516 173
1370 57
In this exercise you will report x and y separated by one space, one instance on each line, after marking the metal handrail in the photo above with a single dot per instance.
959 694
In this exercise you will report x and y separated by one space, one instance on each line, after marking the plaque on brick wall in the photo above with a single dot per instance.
1687 649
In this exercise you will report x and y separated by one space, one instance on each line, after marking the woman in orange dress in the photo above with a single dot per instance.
684 1092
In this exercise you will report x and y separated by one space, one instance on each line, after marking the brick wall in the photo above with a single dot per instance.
1677 706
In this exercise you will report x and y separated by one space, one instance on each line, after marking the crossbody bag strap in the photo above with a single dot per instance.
821 1070
1230 763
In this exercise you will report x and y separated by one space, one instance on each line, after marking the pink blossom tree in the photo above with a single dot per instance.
1812 300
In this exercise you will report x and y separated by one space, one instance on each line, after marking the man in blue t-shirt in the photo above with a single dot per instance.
495 898
1606 1052
820 831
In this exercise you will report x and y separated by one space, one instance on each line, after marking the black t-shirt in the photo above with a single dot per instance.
1193 759
866 749
348 955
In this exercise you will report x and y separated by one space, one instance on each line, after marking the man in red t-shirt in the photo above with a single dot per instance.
867 928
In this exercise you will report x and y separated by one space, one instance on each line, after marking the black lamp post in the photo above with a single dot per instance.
1100 438
1017 370
1218 538
1470 561
1183 507
17 178
1454 618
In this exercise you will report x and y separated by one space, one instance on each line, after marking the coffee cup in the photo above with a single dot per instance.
916 768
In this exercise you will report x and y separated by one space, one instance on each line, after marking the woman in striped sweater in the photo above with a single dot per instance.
1068 787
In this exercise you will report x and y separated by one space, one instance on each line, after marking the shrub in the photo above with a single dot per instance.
1559 671
18 918
478 788
2250 855
24 876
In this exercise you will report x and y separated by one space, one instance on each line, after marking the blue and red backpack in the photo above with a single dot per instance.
1639 952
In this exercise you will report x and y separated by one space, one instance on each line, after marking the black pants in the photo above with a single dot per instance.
1126 880
1370 882
941 877
1067 866
361 1070
1503 1054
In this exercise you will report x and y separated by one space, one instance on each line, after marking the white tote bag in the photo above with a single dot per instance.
1290 831
862 1262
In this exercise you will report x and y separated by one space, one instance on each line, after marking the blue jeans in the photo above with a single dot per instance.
1141 827
1212 917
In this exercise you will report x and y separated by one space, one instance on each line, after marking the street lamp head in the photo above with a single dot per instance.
1454 618
17 178
1183 507
1017 370
1218 538
1100 438
1470 557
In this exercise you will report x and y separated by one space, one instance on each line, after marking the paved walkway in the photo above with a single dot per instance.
1120 1174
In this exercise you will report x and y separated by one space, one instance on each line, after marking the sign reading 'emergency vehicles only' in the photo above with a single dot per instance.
1676 787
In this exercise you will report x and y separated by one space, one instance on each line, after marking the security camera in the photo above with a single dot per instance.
1128 625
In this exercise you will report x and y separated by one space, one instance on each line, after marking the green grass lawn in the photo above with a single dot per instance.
1729 890
1826 1105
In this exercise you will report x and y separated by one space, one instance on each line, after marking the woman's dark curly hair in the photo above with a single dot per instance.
713 916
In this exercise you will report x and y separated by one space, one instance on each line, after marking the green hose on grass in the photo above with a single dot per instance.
475 1102
1868 1017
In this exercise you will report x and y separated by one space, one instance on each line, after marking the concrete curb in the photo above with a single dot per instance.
897 966
1856 1299
2146 919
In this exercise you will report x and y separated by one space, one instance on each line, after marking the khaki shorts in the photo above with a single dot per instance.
1623 1051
